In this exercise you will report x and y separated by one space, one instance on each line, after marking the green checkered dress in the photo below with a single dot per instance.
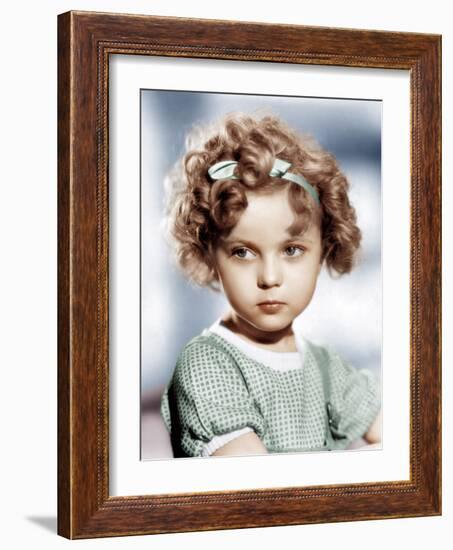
217 389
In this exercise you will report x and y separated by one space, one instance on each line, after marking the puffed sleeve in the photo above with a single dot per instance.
354 402
207 397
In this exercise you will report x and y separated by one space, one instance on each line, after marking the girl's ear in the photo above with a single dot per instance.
320 266
216 280
211 262
215 273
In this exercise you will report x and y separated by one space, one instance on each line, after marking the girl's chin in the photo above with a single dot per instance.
271 323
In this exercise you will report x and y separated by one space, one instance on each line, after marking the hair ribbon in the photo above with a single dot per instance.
224 170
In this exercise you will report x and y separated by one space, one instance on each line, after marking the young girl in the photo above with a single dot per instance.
255 210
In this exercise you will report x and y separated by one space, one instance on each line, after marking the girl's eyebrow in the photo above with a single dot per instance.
246 242
230 241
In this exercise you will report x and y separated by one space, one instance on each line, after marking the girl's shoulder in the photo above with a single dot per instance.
324 356
206 343
332 364
206 354
337 371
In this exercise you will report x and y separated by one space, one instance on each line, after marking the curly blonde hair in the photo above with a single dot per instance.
200 210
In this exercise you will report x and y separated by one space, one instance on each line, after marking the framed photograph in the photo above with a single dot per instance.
249 275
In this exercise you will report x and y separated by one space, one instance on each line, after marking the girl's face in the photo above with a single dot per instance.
267 275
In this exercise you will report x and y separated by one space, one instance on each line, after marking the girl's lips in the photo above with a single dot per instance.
271 307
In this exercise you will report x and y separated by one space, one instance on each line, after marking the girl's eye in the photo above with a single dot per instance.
293 251
243 253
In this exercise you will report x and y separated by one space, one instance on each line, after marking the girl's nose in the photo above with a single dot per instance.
270 273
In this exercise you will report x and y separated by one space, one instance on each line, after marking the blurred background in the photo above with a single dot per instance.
345 312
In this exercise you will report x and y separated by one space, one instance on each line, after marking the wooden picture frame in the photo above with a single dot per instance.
85 42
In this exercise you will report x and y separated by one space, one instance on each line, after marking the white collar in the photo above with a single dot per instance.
277 360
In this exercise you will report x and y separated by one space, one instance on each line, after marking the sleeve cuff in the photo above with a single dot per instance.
220 440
